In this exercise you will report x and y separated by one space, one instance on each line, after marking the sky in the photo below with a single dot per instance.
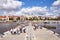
41 3
30 7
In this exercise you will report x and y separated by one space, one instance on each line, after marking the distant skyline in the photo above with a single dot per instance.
30 7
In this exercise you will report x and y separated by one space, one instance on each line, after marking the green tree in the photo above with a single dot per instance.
18 18
10 18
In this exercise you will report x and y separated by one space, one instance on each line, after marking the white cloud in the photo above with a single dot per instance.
55 9
39 11
10 4
10 13
56 3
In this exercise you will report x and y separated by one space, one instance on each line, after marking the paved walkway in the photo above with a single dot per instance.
30 33
14 37
39 34
45 34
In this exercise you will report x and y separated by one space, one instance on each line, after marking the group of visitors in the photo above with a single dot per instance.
18 30
36 26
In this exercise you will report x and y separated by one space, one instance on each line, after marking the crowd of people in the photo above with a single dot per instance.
22 29
18 30
36 26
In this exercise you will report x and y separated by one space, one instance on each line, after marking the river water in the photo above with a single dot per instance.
57 27
7 26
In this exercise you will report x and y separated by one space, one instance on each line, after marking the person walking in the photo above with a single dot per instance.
17 31
11 31
20 30
54 31
24 29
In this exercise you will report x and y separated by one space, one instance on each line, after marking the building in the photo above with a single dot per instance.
2 18
12 18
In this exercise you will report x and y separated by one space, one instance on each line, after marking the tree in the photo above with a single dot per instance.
18 18
10 18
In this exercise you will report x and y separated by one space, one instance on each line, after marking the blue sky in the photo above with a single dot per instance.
41 3
29 7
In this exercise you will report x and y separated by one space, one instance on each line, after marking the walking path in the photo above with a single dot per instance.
45 34
30 33
14 37
39 34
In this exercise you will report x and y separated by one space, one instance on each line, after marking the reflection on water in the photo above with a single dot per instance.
7 26
58 28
